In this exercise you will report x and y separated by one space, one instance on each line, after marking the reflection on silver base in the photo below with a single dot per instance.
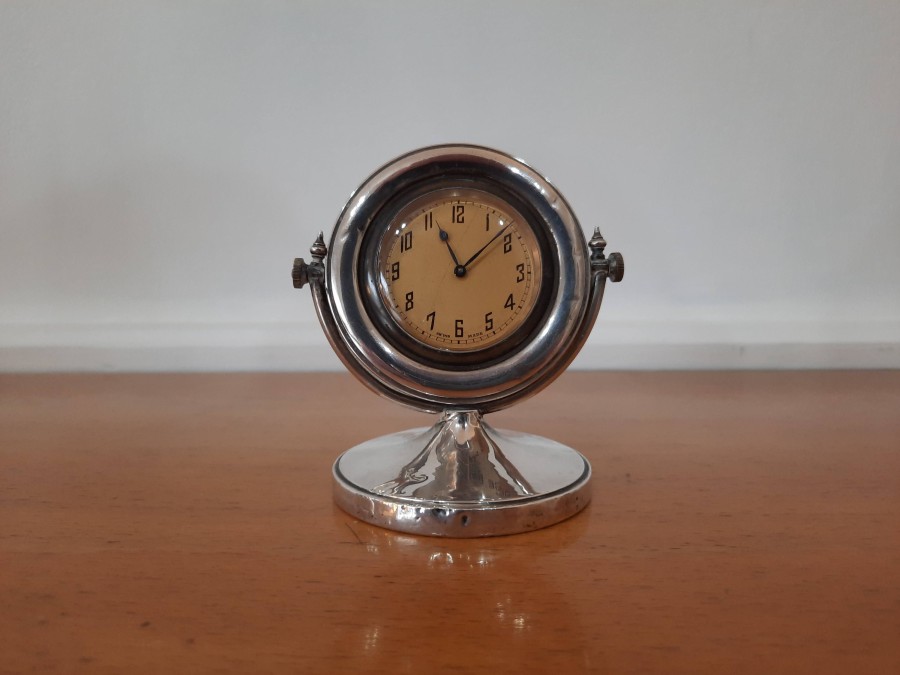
461 478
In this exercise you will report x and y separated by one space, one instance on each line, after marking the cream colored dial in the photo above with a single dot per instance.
459 270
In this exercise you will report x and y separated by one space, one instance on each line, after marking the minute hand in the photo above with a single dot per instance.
481 250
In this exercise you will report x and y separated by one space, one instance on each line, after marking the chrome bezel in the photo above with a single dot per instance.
414 379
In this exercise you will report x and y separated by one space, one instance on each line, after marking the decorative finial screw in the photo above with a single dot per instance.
301 271
318 250
613 266
597 243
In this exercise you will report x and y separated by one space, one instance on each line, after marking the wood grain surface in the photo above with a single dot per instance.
741 523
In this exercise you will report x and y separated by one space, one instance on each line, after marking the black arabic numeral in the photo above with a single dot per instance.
458 214
520 268
395 271
409 301
507 242
487 222
429 220
509 304
431 318
459 328
406 241
489 321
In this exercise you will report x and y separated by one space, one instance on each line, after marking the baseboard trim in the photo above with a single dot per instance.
632 345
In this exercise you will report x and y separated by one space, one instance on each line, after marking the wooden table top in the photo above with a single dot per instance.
741 523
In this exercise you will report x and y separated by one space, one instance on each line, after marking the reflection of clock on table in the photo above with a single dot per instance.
458 281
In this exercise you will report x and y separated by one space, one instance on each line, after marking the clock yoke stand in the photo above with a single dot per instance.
460 477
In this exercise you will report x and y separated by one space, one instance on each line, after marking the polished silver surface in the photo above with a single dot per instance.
431 386
461 478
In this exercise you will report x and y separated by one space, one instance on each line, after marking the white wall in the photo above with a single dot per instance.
161 163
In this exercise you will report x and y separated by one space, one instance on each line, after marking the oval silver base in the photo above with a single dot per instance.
461 478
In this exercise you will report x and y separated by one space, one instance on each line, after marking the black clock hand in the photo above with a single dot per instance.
481 250
445 238
458 270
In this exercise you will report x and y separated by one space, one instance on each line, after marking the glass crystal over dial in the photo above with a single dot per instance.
459 270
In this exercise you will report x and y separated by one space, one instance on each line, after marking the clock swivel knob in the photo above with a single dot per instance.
616 269
300 273
613 267
303 273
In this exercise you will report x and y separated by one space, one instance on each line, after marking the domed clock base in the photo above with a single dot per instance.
461 478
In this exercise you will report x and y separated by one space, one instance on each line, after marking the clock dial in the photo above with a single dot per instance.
459 270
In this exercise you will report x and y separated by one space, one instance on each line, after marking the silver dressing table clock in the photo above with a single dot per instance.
458 281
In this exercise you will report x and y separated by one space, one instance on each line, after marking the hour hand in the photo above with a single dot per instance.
458 270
